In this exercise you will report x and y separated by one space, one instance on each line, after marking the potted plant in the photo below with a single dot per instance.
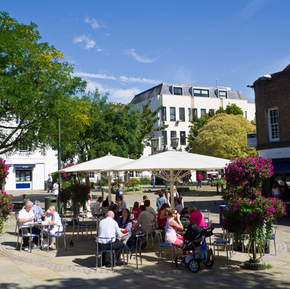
248 212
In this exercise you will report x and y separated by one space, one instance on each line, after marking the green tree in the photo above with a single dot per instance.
198 123
225 136
36 89
113 128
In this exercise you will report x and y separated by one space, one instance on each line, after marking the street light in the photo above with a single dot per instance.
174 142
154 144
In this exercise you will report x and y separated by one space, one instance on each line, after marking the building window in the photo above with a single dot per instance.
173 133
202 112
194 112
172 114
201 92
164 138
163 113
92 174
177 90
246 115
211 112
222 94
23 176
273 122
181 114
182 138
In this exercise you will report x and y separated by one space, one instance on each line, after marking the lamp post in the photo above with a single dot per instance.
174 142
154 144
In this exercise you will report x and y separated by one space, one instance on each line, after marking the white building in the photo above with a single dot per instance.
29 172
180 102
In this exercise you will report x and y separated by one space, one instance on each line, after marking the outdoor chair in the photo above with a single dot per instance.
22 235
101 251
137 248
162 244
60 234
226 242
80 226
272 238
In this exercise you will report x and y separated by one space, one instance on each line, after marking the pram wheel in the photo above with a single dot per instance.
209 259
193 265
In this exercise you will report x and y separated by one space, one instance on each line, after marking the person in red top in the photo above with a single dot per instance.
162 216
199 180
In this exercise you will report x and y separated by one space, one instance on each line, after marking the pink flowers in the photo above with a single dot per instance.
247 209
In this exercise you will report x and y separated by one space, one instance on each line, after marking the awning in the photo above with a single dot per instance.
24 166
281 166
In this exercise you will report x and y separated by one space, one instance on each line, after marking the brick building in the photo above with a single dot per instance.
272 97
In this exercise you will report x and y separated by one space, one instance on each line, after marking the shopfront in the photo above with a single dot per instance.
23 176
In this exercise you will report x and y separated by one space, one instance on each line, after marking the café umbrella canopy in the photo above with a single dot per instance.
170 165
102 165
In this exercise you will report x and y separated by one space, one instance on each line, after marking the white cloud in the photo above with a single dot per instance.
96 24
89 43
116 94
139 58
139 80
93 75
252 7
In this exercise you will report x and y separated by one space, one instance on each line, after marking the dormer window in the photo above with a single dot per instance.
222 94
201 92
177 90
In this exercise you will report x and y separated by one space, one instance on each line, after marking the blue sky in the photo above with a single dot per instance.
125 47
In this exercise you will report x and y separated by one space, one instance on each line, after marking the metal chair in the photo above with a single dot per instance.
149 233
104 251
272 237
226 243
80 226
22 235
60 234
137 248
162 244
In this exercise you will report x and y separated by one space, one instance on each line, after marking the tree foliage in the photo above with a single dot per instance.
225 136
113 128
36 89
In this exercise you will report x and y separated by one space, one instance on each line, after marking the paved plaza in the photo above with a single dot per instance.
75 267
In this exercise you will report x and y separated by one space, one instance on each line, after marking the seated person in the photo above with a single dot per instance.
144 199
196 217
149 208
37 211
172 225
25 218
115 209
96 207
162 216
88 209
125 223
145 218
179 207
121 203
136 210
108 229
53 219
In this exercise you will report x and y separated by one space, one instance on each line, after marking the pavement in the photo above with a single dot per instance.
75 267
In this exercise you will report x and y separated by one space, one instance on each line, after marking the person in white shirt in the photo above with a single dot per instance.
108 231
25 219
55 189
49 183
54 220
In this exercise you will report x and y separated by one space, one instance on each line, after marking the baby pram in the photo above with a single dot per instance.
196 247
